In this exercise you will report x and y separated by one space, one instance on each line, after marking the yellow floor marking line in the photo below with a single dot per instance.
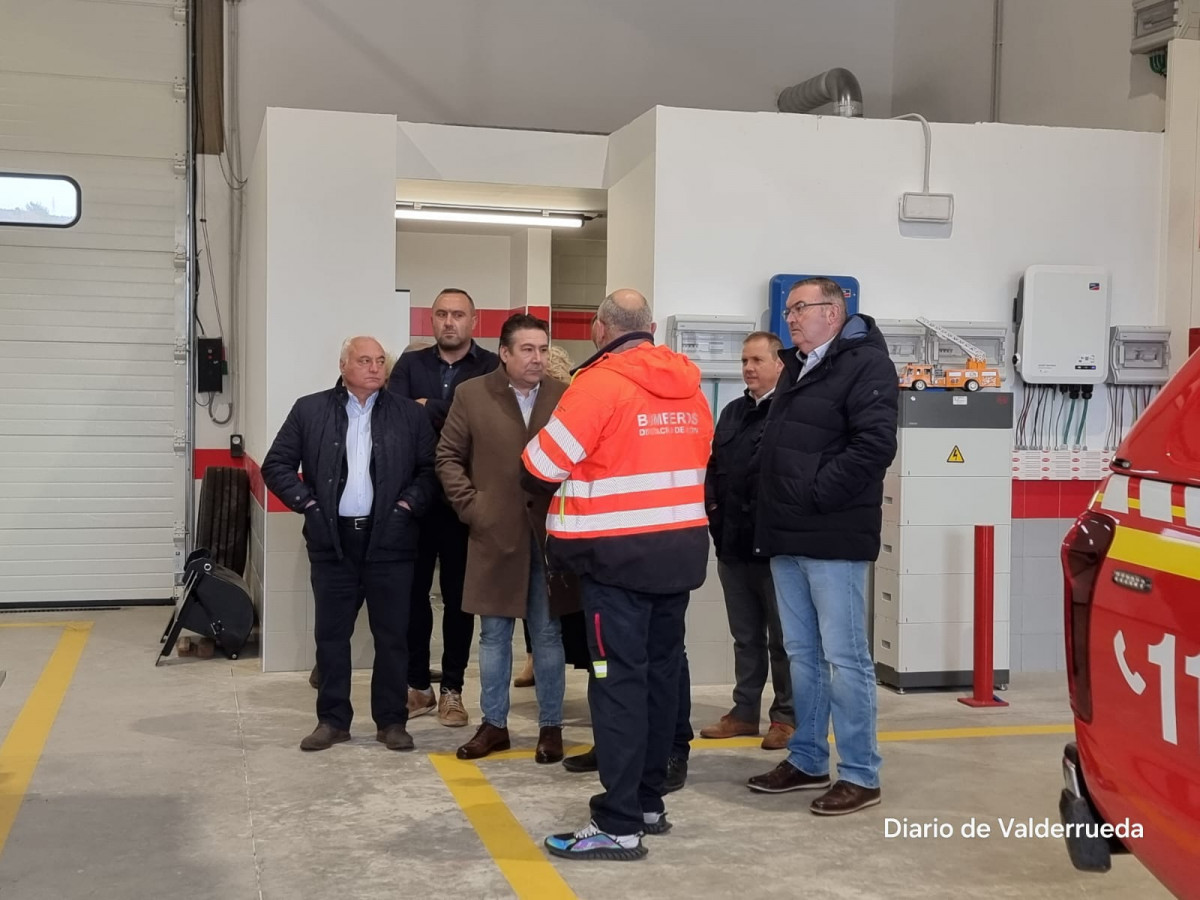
884 737
26 739
45 624
519 859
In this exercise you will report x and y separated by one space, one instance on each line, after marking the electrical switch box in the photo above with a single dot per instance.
1139 354
210 365
713 343
1061 315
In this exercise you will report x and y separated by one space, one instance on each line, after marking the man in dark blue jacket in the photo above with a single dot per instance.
430 377
367 457
731 498
829 439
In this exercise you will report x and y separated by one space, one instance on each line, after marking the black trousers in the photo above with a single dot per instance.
636 640
443 540
339 590
757 640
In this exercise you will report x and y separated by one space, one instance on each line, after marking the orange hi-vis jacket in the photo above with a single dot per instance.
628 444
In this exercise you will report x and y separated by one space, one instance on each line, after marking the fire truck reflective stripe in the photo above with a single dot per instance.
1155 551
1116 494
1155 500
543 465
1191 506
631 484
631 518
563 437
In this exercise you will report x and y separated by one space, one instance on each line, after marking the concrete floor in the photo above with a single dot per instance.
186 780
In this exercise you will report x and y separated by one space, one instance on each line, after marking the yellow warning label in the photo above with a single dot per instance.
955 455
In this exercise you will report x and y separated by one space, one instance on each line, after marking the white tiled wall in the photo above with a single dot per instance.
1036 608
577 272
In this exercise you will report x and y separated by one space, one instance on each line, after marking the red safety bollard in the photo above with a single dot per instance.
985 574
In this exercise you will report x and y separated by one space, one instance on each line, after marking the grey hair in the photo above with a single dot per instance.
349 342
623 320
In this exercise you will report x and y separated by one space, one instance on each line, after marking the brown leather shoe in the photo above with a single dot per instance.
844 798
421 702
488 739
549 745
323 737
525 678
786 777
777 736
395 736
729 727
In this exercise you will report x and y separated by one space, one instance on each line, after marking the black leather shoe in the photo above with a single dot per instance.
676 774
584 762
395 736
844 798
323 737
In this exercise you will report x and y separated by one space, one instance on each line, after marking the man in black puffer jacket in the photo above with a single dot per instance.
829 439
368 458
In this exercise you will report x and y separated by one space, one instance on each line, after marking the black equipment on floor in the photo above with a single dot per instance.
216 604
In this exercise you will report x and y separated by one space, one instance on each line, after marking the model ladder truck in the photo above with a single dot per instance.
974 375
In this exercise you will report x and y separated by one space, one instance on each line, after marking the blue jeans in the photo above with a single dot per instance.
822 608
549 664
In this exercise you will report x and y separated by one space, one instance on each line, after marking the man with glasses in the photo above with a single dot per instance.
829 439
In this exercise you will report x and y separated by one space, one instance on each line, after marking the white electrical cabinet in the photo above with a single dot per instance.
1062 314
1139 354
953 471
713 343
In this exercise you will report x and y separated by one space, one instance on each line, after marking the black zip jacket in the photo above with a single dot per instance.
313 438
828 442
418 375
731 481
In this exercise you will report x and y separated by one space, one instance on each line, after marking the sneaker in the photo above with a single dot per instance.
655 823
676 774
592 843
451 711
421 702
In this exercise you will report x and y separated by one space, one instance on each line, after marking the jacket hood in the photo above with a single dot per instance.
657 370
859 331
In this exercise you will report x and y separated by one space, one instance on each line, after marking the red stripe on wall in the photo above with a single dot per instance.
490 320
203 458
1193 340
571 326
1051 499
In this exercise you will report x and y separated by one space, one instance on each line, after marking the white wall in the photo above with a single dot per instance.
1063 62
741 197
579 272
479 264
553 64
530 267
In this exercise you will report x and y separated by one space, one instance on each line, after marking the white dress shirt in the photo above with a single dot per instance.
526 401
810 362
359 494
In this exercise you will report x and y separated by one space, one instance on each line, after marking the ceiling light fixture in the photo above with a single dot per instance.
494 216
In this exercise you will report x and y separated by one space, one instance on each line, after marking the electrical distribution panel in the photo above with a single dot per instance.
713 343
1156 22
1140 354
1061 315
910 342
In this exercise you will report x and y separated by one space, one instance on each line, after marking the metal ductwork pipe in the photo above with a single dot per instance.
838 86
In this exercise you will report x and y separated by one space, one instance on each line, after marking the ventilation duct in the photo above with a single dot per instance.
838 86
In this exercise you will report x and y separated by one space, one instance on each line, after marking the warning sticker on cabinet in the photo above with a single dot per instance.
955 456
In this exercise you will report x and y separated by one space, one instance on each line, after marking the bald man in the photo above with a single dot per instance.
367 457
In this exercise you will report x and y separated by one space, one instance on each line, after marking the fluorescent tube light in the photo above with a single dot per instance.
534 218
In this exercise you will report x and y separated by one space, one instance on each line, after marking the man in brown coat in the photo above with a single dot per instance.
479 464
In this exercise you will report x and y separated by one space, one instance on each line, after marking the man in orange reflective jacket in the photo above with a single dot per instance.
626 450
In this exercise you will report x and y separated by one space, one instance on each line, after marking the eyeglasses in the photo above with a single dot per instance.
796 308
